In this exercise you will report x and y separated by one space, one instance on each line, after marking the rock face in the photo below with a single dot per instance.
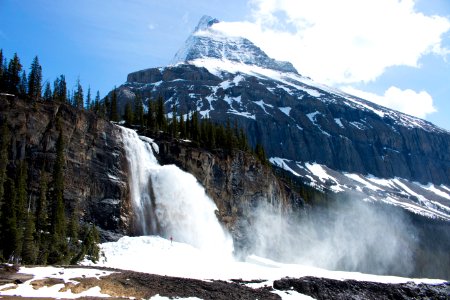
323 288
238 184
290 115
95 178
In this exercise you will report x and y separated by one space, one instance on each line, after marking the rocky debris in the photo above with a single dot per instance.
323 288
95 180
8 274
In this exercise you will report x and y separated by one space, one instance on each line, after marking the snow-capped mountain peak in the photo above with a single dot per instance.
208 43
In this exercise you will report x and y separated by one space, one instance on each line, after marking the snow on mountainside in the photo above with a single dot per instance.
300 121
207 42
429 200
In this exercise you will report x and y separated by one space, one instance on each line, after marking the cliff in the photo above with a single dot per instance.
95 172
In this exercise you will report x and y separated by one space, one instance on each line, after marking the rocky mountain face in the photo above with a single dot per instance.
327 139
95 171
291 115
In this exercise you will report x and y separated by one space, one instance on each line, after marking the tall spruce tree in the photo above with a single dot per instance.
4 143
78 97
88 99
138 111
151 120
47 92
13 75
2 71
8 223
114 113
35 80
58 246
29 247
23 85
161 121
129 116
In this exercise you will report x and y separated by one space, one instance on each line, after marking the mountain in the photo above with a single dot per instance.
324 137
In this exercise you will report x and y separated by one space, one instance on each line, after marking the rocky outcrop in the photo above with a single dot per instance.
95 176
237 183
324 288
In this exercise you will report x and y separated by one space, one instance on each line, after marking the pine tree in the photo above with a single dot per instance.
97 105
4 143
21 187
182 127
174 125
47 92
58 216
88 99
35 80
2 71
151 120
58 244
161 121
78 97
9 238
42 205
23 85
129 118
13 75
114 114
29 248
138 111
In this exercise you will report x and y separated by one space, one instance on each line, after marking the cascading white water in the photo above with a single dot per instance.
177 206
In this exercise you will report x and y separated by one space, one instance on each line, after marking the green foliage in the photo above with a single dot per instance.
23 85
138 111
4 143
60 89
47 92
35 80
129 114
29 247
114 114
58 220
78 98
13 75
88 99
9 234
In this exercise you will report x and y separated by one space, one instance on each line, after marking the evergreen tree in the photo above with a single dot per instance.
88 99
58 243
4 143
151 120
13 75
35 80
78 97
161 121
97 104
9 236
2 71
47 92
129 118
174 125
114 114
21 191
23 85
58 216
138 111
42 205
29 248
182 127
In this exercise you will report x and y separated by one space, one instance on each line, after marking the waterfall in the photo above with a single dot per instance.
170 202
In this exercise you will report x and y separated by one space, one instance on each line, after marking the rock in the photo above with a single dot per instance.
323 288
95 171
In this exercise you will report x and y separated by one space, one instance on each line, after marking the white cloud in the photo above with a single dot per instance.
418 104
344 41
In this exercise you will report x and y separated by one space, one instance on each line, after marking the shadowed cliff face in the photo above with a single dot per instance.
95 166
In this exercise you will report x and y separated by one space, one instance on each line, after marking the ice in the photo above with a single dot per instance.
432 188
281 162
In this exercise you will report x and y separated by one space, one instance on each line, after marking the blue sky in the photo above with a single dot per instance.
395 53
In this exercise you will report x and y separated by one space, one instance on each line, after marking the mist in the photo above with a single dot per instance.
348 235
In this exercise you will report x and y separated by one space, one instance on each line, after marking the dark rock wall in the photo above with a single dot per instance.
95 178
